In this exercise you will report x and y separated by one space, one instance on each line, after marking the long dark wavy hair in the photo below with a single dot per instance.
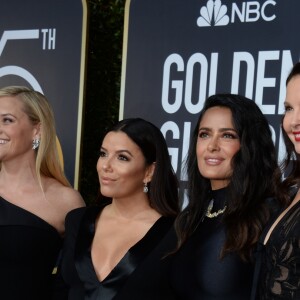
291 163
163 188
255 177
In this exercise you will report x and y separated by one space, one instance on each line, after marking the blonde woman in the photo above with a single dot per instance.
35 195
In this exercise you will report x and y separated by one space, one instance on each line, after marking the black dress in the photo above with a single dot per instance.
278 262
29 249
197 271
140 275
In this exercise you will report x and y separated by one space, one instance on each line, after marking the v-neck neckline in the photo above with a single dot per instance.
121 264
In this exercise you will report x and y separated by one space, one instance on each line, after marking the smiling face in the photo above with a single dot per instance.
217 143
16 130
291 120
122 167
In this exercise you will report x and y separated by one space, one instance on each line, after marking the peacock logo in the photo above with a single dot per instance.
214 13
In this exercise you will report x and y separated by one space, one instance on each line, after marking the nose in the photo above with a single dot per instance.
106 167
213 145
295 120
104 164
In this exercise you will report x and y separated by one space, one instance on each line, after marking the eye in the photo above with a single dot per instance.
203 134
228 135
102 153
7 120
123 157
287 108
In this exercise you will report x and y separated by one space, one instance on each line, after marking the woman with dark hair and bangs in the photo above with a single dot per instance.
232 178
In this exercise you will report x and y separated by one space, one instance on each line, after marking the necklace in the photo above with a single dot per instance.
209 214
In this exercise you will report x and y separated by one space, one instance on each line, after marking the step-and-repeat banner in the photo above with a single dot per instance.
176 53
42 46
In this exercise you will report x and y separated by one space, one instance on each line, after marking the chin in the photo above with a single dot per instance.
297 148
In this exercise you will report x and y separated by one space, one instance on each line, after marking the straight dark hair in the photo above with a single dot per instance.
163 188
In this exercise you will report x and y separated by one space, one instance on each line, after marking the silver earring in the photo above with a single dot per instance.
146 188
35 144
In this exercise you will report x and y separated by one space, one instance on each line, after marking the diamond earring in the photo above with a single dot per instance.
146 188
35 144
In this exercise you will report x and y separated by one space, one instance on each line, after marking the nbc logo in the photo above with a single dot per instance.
214 13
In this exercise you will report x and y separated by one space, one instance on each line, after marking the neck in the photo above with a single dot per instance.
17 174
219 184
131 209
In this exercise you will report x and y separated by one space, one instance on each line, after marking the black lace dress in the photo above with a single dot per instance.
278 262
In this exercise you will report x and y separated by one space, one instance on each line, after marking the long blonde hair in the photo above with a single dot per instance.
38 109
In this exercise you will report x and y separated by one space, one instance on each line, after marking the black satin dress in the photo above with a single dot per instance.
140 275
29 249
197 271
278 262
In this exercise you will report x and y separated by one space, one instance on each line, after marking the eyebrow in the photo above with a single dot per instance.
7 114
119 151
221 129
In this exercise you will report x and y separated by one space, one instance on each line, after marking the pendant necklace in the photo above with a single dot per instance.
211 215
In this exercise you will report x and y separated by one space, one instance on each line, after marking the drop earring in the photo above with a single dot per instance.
35 144
146 188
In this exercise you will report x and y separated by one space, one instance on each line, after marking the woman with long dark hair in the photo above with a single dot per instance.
232 171
118 249
278 263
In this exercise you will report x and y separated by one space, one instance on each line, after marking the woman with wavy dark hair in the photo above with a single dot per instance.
117 250
232 171
278 263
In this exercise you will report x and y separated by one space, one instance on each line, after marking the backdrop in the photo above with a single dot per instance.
42 46
177 53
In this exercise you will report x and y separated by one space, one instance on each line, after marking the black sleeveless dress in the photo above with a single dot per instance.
197 271
29 249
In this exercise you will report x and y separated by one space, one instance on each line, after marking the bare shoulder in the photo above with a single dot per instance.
66 198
